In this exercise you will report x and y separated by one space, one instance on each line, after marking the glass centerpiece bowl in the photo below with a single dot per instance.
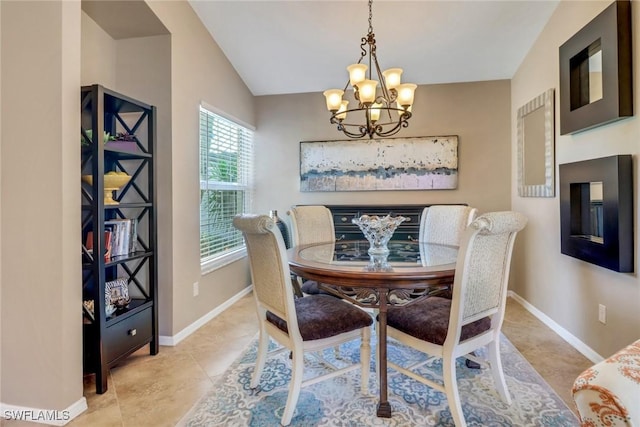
378 231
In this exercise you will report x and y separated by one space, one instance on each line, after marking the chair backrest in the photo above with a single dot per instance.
482 269
444 224
311 224
269 267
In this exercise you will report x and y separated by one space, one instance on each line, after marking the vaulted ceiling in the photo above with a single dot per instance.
280 47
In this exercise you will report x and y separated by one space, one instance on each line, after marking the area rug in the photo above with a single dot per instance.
338 401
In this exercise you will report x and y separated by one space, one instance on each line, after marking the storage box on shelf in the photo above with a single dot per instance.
120 285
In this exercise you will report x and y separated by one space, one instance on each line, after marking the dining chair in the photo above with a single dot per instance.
301 325
311 224
444 224
450 328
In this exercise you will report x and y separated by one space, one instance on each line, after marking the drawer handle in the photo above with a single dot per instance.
342 237
343 219
132 332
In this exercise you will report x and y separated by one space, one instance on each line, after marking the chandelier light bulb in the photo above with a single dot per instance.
357 73
333 98
392 77
405 94
375 112
342 111
367 91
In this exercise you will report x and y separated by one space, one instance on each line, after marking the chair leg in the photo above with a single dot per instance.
263 348
297 362
365 358
496 370
451 389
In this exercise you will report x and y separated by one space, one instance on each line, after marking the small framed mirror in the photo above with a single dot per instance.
536 147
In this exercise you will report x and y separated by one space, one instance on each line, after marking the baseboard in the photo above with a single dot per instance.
587 351
175 339
51 417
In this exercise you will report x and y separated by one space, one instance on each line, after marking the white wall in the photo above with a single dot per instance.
566 289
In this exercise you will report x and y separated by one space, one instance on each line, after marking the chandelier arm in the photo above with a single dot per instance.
403 123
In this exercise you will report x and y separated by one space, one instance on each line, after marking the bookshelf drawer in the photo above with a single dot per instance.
128 335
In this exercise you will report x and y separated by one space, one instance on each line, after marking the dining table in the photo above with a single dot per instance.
409 272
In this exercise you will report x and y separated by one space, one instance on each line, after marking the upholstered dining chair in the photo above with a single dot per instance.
450 328
301 325
444 224
311 224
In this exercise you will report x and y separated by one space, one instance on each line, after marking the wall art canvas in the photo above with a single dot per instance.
422 163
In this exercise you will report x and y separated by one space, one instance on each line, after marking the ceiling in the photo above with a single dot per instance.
281 47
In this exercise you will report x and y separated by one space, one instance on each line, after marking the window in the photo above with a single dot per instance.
225 187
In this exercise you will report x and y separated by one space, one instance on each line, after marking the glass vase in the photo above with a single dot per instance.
378 231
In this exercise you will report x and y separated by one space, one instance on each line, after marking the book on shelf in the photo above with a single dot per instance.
124 234
107 243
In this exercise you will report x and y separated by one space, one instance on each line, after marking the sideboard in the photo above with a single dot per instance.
346 230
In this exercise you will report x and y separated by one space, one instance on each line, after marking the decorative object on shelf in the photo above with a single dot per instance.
596 211
596 71
422 163
124 141
536 137
376 115
378 231
113 181
85 141
116 293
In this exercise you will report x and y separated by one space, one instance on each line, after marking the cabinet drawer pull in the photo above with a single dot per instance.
343 219
132 332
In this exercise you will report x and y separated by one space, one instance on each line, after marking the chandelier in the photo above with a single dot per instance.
379 113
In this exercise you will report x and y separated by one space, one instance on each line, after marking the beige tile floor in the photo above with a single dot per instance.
159 390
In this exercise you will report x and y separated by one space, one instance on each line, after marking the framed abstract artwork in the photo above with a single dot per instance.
421 163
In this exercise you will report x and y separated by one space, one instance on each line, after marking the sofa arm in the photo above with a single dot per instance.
608 393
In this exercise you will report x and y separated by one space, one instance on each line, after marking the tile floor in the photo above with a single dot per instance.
159 390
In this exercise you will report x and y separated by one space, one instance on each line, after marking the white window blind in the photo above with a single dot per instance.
225 183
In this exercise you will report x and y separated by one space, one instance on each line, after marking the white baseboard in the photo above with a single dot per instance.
175 339
52 417
587 351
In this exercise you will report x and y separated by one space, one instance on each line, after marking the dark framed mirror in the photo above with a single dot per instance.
596 81
596 211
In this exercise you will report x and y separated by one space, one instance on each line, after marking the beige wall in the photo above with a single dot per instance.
199 72
40 228
477 112
175 73
565 289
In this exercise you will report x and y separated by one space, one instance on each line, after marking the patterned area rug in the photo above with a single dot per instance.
338 401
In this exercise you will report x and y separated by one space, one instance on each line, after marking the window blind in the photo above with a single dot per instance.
225 183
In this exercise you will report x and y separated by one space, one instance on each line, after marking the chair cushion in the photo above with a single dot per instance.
310 287
322 316
428 320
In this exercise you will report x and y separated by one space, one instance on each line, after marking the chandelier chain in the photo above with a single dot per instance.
370 16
